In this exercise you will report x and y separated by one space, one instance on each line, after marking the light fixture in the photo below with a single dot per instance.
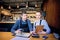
17 5
1 7
27 5
9 7
35 5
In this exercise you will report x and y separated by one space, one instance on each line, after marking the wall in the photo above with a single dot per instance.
52 8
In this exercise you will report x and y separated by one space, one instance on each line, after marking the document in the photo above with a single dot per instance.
20 38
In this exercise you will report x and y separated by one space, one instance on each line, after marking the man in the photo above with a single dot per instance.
23 24
40 21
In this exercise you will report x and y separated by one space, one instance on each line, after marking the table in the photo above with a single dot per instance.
5 35
8 36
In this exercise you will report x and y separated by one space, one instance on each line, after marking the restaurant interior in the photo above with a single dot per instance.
10 11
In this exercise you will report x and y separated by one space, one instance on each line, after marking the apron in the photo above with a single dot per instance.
24 27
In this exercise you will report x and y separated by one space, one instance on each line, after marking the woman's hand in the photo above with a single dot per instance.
42 32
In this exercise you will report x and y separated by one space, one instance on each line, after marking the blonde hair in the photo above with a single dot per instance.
40 13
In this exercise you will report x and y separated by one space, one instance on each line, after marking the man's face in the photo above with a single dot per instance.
24 16
38 15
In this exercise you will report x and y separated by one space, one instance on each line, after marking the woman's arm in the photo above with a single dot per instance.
46 26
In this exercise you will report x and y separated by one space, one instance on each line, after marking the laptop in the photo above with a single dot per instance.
26 35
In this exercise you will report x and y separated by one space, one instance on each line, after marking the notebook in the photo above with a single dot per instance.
27 35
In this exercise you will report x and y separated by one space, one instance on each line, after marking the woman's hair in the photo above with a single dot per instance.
39 12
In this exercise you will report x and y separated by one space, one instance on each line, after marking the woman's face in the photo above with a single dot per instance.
38 15
24 16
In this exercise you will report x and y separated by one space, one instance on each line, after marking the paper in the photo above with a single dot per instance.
20 38
23 35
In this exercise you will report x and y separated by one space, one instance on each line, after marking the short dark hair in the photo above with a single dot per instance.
23 13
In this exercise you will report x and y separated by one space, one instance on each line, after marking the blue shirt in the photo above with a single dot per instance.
17 25
43 22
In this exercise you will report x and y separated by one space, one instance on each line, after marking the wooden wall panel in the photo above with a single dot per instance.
52 9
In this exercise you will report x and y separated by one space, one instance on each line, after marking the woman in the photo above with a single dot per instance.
40 21
23 24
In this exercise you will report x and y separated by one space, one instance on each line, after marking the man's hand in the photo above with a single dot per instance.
17 31
32 32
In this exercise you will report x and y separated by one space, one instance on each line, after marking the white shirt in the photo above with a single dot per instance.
43 22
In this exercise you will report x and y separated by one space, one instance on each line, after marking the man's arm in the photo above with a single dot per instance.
34 27
30 25
13 29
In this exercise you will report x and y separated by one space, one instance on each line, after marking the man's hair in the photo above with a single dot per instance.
23 13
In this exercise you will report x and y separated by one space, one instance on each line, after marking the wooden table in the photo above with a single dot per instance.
5 35
8 36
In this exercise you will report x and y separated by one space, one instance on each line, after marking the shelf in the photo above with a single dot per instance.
7 21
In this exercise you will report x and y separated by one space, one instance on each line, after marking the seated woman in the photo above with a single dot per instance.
23 23
40 21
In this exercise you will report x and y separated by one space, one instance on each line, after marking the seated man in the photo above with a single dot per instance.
40 21
23 23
